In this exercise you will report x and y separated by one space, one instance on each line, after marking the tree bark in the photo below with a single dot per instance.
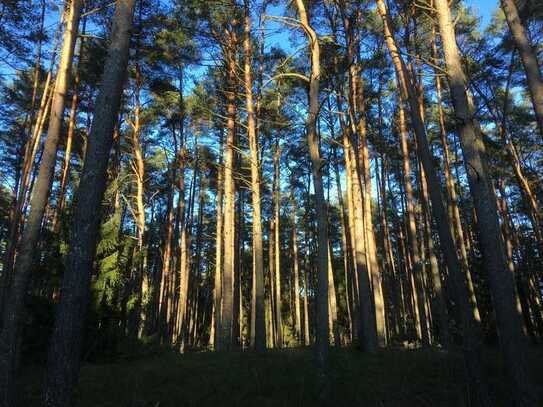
471 343
66 340
13 311
528 56
258 251
322 342
225 334
296 272
501 281
219 253
277 244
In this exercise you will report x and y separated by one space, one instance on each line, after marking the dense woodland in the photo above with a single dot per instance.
244 175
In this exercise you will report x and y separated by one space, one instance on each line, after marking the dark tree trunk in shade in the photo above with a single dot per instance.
65 346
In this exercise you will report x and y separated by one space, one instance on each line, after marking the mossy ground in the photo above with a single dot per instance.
395 378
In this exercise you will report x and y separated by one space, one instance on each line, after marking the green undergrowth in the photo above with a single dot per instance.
396 378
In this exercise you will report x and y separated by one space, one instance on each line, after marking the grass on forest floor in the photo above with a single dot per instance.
395 378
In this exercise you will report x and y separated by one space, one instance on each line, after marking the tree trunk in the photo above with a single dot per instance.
373 262
316 167
219 253
66 340
296 272
307 339
225 334
13 311
416 273
165 275
471 343
258 252
277 245
501 281
362 307
453 212
138 169
31 148
528 56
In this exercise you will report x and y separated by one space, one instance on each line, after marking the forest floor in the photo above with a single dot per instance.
395 378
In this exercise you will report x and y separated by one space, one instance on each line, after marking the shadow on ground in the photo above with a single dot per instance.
395 378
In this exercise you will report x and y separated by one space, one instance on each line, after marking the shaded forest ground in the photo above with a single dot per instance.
399 378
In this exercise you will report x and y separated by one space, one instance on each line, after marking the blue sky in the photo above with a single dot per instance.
485 8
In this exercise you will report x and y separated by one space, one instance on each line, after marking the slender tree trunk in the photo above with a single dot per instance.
296 272
31 149
72 124
258 252
373 262
362 308
183 257
67 156
438 300
217 291
389 255
66 340
277 245
453 212
138 169
529 58
13 311
333 325
165 275
345 247
507 232
316 166
225 334
271 267
418 295
307 338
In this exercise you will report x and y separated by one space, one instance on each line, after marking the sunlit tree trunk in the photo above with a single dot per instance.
138 210
12 312
296 271
183 260
333 326
529 58
471 342
362 306
322 342
501 281
453 210
217 291
271 277
225 334
345 246
72 123
374 266
277 245
307 338
258 252
36 124
438 296
67 157
165 275
416 273
397 311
